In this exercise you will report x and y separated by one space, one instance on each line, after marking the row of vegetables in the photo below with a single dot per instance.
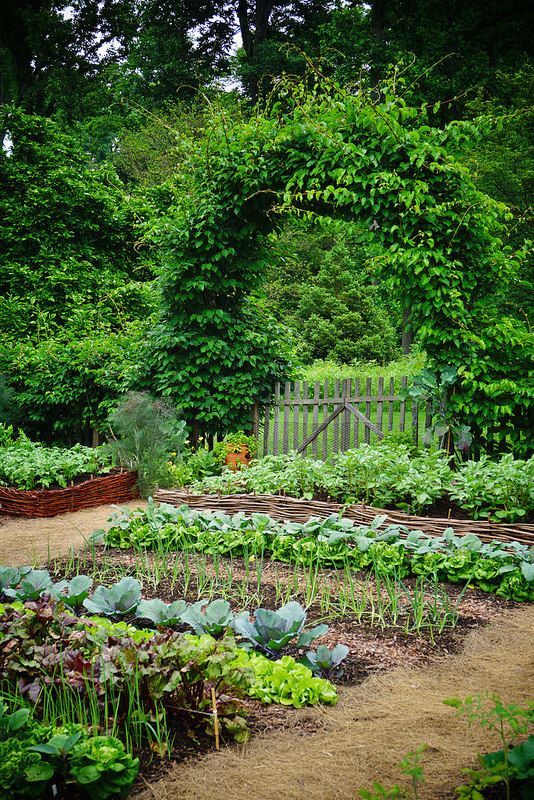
146 674
503 568
390 474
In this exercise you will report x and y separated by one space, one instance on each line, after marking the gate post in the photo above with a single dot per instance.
345 438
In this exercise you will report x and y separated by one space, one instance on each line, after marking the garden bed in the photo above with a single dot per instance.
117 487
300 510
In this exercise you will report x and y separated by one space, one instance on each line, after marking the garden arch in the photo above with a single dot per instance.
319 151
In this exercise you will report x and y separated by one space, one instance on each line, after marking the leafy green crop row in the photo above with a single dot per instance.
390 474
507 569
35 757
28 465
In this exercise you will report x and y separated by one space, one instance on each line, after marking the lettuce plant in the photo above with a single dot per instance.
271 631
116 600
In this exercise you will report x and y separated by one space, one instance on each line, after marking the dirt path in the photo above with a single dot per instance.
34 541
373 726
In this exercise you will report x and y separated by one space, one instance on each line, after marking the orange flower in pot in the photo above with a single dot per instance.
236 450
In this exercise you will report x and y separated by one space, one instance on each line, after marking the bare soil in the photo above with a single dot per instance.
35 541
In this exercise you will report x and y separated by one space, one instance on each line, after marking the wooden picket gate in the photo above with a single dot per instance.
324 418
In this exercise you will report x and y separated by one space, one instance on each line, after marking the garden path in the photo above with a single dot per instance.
34 541
374 725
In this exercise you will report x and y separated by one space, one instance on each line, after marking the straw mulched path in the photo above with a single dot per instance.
372 727
34 541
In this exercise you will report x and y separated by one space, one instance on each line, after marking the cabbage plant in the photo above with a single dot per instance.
72 592
213 618
325 662
160 613
32 585
116 600
271 631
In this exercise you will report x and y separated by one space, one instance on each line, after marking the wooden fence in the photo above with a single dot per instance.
324 418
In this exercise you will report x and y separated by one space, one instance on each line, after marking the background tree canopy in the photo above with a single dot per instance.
141 194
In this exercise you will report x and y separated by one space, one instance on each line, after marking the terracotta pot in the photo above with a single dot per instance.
242 457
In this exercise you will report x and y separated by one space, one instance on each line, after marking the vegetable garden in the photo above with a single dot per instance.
218 264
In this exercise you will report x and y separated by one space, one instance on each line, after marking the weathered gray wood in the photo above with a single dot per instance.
345 437
313 437
356 419
305 411
379 403
368 424
326 393
368 393
391 403
266 424
402 420
276 421
415 422
296 415
315 415
285 435
335 426
428 415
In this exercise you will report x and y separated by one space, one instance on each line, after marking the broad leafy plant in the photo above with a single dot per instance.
271 631
117 600
326 662
160 613
212 618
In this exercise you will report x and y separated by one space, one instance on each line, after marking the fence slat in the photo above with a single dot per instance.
379 403
391 404
356 420
267 420
402 419
415 422
326 392
285 437
296 415
345 436
335 426
276 421
315 415
305 412
368 391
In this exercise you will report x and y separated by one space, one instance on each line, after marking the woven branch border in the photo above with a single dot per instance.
119 487
292 509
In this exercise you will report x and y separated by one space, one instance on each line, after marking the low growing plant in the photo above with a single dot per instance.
270 631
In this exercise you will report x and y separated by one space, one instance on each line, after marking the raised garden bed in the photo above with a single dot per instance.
294 509
117 487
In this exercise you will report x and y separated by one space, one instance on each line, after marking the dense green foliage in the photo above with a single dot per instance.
94 90
28 465
321 285
329 153
73 310
34 756
506 569
390 474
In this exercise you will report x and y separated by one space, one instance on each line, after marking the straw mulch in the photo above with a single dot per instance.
373 726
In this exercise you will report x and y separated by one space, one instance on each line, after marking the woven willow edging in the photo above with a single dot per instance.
104 490
292 509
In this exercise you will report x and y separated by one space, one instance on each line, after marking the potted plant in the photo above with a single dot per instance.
236 449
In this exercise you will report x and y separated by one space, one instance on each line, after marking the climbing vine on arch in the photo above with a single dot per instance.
317 150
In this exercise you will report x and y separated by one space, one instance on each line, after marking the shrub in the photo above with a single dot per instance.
145 432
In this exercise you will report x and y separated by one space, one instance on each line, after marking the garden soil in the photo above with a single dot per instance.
34 541
374 725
